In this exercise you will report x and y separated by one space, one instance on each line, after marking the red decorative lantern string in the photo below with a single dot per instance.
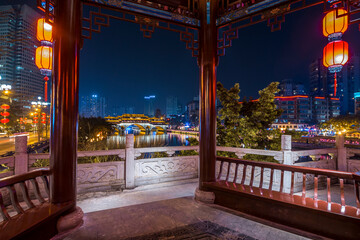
43 56
46 79
336 52
5 113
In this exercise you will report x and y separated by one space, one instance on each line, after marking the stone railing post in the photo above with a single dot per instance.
287 159
286 149
129 162
21 156
341 153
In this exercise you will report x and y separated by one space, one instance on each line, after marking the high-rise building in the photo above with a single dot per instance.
193 108
304 109
171 106
322 83
92 106
296 109
357 103
288 87
149 105
117 110
17 52
349 83
318 78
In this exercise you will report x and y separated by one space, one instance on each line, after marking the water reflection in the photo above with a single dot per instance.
160 140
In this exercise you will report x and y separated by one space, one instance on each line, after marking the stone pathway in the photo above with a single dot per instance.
161 217
166 211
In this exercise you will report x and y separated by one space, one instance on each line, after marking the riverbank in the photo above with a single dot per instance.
183 132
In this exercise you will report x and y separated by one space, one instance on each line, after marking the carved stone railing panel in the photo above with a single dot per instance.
99 176
154 170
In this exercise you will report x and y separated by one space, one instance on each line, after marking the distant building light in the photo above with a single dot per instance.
5 87
149 97
357 94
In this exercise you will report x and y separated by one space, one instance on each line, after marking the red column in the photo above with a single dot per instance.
207 62
65 91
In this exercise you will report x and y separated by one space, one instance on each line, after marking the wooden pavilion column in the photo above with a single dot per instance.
207 62
65 91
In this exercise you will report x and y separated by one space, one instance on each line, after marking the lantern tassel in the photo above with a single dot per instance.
335 84
46 87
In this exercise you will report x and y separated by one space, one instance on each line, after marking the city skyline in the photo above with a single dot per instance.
162 66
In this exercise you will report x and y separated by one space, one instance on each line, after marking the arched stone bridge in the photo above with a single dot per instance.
144 123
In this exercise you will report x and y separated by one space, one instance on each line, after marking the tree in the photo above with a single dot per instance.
258 117
247 124
229 122
346 123
92 131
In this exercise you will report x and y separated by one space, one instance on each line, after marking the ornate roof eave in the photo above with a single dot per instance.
163 12
266 8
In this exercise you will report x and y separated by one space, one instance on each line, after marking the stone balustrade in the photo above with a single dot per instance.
138 170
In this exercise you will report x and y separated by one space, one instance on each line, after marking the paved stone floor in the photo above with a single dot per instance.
166 211
152 218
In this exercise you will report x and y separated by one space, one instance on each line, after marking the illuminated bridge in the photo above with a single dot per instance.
146 124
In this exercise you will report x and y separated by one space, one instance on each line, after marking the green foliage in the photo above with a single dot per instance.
343 123
41 163
229 121
295 135
226 154
99 159
246 124
159 155
259 158
93 133
153 155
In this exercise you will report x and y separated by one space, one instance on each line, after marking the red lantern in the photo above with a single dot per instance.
336 54
36 118
5 114
44 31
5 106
35 121
334 27
43 122
44 59
4 120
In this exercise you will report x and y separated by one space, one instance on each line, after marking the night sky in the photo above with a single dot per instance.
123 66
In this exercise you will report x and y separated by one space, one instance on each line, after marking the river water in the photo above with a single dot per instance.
141 141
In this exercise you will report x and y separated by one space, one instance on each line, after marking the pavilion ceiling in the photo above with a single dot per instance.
230 11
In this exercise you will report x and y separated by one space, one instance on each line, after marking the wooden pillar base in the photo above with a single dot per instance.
204 196
69 223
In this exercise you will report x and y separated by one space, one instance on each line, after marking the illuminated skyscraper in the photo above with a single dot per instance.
93 106
322 83
17 51
149 105
171 106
